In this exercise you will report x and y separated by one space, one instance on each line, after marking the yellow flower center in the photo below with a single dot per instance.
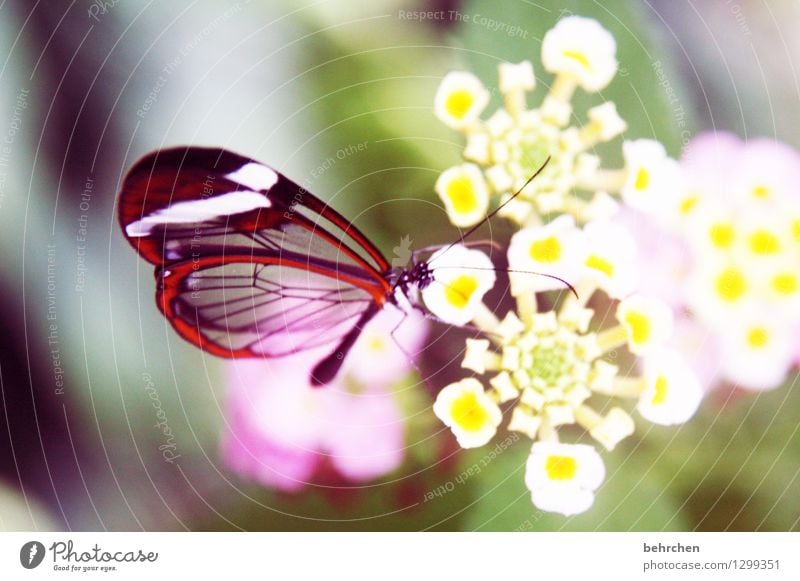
461 193
660 390
561 467
760 191
721 234
600 264
468 413
458 291
459 102
796 229
688 204
546 250
785 283
579 57
757 337
639 327
642 179
731 284
764 242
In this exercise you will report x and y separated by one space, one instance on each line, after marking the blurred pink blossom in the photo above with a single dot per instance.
280 430
700 348
708 161
724 252
727 258
663 259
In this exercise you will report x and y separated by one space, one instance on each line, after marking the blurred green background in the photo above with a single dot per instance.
85 91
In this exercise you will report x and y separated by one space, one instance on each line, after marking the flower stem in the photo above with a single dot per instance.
628 387
575 206
486 321
547 433
526 307
563 88
609 180
584 289
587 417
515 102
612 338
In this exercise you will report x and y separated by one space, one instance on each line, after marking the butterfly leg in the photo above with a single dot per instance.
410 356
432 389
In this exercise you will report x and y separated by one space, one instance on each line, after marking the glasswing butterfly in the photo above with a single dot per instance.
250 264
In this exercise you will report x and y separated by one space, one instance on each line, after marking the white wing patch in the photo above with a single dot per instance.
200 210
254 176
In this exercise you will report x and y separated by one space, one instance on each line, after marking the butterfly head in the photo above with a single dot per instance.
421 274
407 281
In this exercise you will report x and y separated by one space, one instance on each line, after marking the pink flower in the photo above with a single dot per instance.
740 219
662 259
736 171
708 161
280 430
700 349
725 254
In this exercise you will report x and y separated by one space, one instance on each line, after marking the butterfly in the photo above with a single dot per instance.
250 264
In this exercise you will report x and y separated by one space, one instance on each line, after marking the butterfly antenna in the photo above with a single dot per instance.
496 210
512 270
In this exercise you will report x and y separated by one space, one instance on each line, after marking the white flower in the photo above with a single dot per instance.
609 253
563 477
553 249
672 392
500 179
469 412
757 350
465 194
460 99
476 355
609 430
461 277
581 48
647 322
601 207
504 387
604 122
556 111
516 77
477 147
515 210
653 179
525 422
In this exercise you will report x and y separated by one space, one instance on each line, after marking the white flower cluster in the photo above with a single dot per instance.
544 367
503 152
